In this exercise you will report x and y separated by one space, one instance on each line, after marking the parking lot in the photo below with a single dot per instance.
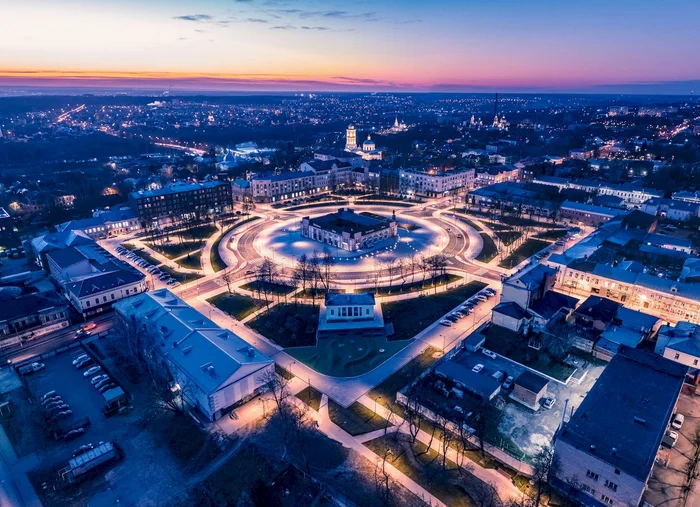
669 477
147 268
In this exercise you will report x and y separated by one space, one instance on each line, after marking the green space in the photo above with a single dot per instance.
129 246
513 346
179 276
489 251
346 354
424 466
507 237
173 250
494 226
385 393
356 419
524 251
263 287
552 234
310 396
411 316
191 261
413 286
237 305
288 325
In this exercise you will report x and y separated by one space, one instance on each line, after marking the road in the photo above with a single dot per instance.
53 340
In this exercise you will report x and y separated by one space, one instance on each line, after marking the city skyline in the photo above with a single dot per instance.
276 45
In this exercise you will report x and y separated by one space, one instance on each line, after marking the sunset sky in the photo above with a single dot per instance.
332 45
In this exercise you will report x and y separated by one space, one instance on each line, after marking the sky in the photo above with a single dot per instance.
409 45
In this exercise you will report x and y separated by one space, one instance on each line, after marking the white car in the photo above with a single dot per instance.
445 322
92 371
488 353
549 402
478 368
678 421
97 378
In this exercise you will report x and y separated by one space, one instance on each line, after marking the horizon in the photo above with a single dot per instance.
386 45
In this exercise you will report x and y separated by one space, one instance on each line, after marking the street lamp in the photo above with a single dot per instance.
443 343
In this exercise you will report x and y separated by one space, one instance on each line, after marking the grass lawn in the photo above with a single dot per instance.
283 373
174 250
346 355
236 305
385 393
411 316
411 286
192 261
524 251
270 288
311 396
288 325
507 237
356 419
513 346
489 251
129 246
180 277
424 466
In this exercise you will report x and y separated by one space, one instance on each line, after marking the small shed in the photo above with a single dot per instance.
529 389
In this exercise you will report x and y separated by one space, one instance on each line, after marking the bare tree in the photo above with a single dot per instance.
414 415
446 436
382 478
326 264
484 494
544 464
227 277
277 386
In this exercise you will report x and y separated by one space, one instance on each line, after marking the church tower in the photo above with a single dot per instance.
350 138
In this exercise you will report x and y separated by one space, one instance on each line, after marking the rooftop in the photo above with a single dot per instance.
346 220
177 188
340 299
481 384
621 421
531 381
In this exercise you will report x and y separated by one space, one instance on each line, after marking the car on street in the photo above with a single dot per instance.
92 371
445 322
678 421
31 368
478 368
488 353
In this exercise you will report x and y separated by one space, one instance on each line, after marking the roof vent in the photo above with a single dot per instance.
205 367
639 420
592 447
223 335
210 370
251 352
614 451
187 350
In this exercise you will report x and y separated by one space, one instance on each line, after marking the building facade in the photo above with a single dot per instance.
435 183
348 230
30 316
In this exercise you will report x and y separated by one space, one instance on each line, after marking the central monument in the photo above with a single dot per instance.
348 230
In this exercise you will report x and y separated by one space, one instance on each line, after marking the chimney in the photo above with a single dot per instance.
592 448
614 451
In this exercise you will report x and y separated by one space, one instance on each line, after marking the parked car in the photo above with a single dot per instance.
85 362
80 358
678 421
48 401
65 413
670 439
92 371
59 408
549 402
50 394
70 435
478 368
103 382
31 368
508 382
488 353
107 387
83 449
444 322
97 378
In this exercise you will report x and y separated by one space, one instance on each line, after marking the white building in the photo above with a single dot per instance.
435 183
280 187
348 230
680 343
214 368
97 293
350 138
350 312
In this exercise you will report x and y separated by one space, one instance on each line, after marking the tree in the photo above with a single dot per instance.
277 386
382 478
484 494
227 277
301 272
544 465
327 262
414 416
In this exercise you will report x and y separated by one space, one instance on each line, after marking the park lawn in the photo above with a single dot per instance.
385 393
269 287
311 396
489 251
507 237
174 250
425 468
356 419
180 276
524 251
411 316
412 286
288 325
511 345
346 354
237 305
191 261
